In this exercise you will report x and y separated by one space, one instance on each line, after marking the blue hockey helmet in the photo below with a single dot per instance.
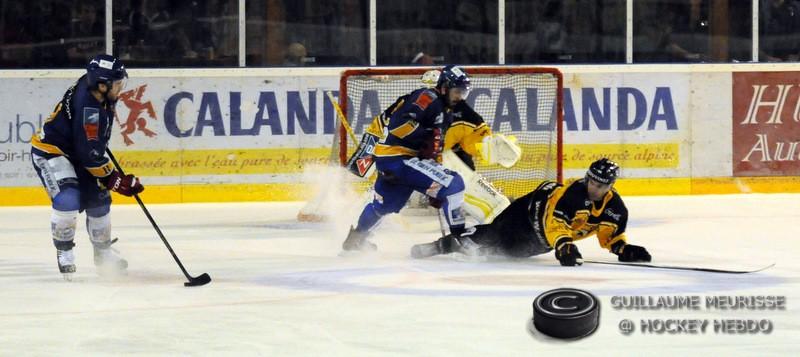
453 76
603 171
105 69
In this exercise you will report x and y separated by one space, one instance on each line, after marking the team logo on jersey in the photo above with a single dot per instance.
611 213
139 111
424 99
91 122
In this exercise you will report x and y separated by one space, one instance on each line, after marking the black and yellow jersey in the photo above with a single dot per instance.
533 223
79 128
411 125
570 213
467 129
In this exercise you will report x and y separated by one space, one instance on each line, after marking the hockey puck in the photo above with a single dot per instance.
566 313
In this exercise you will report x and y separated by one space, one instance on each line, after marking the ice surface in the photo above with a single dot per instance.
280 287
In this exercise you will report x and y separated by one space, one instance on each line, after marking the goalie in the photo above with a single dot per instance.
467 136
552 217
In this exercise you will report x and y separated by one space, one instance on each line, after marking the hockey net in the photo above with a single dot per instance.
525 102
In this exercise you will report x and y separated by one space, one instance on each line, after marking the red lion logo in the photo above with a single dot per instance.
133 100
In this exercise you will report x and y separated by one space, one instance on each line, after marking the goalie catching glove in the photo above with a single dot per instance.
126 185
500 149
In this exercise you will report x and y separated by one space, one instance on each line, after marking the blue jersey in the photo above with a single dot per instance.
411 125
79 128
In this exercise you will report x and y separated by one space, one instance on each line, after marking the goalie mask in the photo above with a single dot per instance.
430 78
603 171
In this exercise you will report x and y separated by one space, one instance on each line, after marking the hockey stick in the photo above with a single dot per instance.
199 280
342 118
708 270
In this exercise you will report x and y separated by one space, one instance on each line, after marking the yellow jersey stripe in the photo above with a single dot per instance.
101 171
393 150
403 130
48 148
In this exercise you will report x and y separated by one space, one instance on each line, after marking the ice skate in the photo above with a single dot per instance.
357 241
66 263
107 260
425 250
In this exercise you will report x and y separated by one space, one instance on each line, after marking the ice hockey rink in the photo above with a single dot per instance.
280 287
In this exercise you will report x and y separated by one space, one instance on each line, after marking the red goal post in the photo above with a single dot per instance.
527 101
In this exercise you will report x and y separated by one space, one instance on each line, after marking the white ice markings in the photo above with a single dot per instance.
649 282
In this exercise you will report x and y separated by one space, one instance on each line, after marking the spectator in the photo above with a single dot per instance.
15 30
551 34
296 55
422 59
690 28
779 29
663 30
50 22
88 33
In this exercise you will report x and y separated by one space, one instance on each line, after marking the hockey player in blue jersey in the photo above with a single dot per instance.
68 153
407 158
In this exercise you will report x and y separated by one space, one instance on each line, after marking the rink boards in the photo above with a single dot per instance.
250 134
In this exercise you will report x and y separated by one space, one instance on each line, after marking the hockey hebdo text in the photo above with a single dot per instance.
689 326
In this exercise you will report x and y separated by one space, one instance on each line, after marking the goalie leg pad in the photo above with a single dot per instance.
482 200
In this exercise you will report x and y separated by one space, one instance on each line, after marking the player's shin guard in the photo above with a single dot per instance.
369 218
62 224
453 213
99 228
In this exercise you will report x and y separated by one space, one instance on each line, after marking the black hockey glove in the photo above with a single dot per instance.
630 253
567 253
432 147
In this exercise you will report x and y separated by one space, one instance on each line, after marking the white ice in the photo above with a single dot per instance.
280 287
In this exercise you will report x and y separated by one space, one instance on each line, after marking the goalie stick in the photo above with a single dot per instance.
342 117
707 270
199 280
